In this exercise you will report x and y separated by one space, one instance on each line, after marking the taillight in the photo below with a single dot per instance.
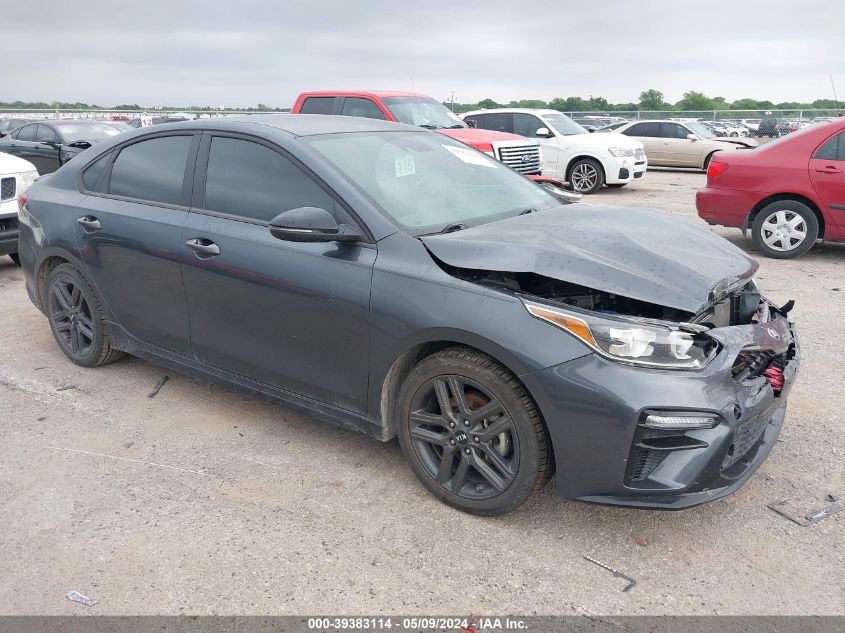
715 169
21 201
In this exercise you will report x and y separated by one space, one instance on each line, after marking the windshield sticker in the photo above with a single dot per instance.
469 156
404 165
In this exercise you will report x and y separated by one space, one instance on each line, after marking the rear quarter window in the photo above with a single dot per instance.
317 105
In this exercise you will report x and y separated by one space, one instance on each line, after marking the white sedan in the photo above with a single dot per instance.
570 153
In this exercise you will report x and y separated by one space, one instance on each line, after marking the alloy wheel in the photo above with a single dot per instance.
584 177
464 437
71 316
784 230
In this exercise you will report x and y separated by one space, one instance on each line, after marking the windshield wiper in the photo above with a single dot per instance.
428 126
451 228
457 126
527 211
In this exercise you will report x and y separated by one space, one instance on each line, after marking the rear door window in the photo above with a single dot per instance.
833 149
356 106
92 173
254 181
643 129
317 105
151 170
26 133
498 121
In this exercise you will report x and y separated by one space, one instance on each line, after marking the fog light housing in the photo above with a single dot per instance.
680 421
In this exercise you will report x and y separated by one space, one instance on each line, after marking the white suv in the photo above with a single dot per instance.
570 153
16 175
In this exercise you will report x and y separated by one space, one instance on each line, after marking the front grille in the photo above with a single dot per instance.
523 158
8 225
7 188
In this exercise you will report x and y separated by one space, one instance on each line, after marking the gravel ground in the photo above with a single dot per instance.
201 500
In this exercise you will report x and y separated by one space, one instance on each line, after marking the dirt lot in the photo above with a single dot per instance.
201 500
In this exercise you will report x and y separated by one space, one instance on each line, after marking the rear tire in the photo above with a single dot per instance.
471 433
77 318
586 176
785 229
15 258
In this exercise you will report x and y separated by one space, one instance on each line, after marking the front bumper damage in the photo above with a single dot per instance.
604 453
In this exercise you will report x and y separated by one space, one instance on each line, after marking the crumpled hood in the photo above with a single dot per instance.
640 254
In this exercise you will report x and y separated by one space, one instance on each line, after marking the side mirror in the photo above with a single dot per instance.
692 137
471 123
310 224
543 132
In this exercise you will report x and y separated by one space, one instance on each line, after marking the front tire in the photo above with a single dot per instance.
785 229
586 176
471 433
77 318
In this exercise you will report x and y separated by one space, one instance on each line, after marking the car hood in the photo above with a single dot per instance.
740 140
13 165
603 140
473 136
640 254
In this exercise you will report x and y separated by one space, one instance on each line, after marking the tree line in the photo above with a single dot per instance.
650 99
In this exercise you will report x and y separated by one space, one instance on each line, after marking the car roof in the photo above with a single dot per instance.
299 124
517 110
357 93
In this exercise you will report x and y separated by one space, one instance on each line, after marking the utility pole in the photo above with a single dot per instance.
452 100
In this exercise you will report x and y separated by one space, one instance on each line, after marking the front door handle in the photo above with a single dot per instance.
203 247
829 169
90 223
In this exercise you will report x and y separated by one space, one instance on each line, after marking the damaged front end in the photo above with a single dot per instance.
697 399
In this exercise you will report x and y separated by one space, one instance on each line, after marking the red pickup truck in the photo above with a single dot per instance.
517 152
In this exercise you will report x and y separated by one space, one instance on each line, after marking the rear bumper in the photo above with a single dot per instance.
728 207
594 410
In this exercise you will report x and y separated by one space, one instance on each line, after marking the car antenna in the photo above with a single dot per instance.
416 99
835 98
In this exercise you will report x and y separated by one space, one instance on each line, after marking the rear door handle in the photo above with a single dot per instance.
830 169
203 247
90 223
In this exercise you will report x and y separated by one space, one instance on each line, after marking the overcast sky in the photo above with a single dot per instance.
241 52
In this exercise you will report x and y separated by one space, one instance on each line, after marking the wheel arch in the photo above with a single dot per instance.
392 382
581 156
46 264
797 197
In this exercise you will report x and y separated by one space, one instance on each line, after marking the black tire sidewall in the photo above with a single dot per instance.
95 351
785 205
599 170
526 480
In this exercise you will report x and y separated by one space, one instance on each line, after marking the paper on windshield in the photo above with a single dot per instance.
469 156
404 165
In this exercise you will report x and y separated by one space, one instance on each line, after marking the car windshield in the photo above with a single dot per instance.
563 125
429 182
73 132
422 112
699 129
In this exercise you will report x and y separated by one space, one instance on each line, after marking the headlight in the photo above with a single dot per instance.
643 343
27 178
620 152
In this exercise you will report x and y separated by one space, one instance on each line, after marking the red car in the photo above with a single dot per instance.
789 192
517 152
